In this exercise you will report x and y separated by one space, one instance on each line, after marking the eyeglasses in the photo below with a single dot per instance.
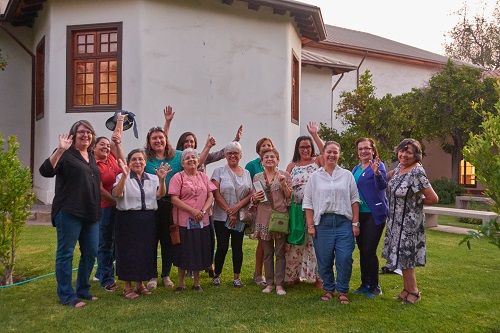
364 148
305 147
84 132
232 153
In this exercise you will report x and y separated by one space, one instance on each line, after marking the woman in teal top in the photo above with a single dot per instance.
255 167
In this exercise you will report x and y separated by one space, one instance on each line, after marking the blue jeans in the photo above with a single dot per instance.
71 229
334 244
105 255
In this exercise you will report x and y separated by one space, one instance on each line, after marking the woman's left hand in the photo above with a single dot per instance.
232 221
198 215
355 231
163 170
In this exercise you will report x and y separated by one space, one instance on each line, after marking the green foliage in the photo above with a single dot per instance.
444 108
387 120
16 198
3 63
482 151
446 190
477 39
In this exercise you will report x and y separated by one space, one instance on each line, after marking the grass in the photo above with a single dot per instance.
459 289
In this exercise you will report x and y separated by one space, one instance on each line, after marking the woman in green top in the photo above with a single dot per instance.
255 167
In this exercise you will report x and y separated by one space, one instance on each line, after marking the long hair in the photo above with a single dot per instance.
260 142
182 140
150 153
296 154
87 125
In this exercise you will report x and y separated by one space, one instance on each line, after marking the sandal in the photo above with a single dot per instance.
343 298
112 287
179 290
197 288
418 298
130 294
76 303
167 282
328 295
142 290
260 280
89 297
400 297
153 283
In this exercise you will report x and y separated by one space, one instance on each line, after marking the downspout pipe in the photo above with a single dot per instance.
331 99
357 69
33 90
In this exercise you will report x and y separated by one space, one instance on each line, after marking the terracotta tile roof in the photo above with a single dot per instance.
318 60
362 42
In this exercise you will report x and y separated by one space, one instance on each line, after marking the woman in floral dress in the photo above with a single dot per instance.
301 264
404 243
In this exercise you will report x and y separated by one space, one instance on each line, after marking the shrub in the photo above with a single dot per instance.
446 190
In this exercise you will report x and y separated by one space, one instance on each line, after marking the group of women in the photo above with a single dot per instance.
120 208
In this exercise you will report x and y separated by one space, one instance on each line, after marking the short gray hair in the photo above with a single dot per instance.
188 151
233 146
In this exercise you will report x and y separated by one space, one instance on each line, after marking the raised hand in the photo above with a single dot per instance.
124 167
375 165
238 133
281 178
168 114
211 141
163 170
65 141
312 127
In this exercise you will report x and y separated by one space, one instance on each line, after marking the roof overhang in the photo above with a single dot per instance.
307 17
320 61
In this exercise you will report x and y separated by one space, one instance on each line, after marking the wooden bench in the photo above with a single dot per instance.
462 201
431 215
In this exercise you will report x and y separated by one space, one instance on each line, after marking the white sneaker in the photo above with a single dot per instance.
237 283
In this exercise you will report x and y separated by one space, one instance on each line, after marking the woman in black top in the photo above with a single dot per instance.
75 209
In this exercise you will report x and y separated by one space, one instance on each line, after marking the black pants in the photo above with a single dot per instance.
163 222
223 235
368 239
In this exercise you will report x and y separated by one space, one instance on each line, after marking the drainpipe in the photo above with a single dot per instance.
357 69
33 89
331 99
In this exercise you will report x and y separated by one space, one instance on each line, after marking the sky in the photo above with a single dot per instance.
421 23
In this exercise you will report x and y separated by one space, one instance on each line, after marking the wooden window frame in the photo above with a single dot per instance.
72 31
295 86
40 80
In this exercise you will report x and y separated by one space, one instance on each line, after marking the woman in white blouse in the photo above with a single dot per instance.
331 202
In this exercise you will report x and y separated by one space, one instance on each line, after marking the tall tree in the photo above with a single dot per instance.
476 39
444 108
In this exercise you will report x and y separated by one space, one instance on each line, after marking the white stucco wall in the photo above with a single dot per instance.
15 89
219 66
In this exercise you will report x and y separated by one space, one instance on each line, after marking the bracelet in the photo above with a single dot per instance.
310 226
119 119
204 212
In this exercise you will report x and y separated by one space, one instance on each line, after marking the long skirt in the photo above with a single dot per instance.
135 245
194 253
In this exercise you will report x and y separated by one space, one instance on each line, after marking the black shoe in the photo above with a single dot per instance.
374 292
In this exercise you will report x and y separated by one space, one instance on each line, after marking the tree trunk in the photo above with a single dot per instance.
456 156
8 275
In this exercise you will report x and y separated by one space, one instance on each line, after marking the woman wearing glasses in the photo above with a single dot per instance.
301 264
136 194
370 179
75 209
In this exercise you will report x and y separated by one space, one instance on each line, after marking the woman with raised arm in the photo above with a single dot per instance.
136 194
301 263
332 215
106 154
75 209
370 179
404 243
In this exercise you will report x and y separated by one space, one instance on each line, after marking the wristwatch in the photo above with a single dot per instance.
356 224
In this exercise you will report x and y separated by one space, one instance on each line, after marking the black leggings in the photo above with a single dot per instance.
223 235
368 239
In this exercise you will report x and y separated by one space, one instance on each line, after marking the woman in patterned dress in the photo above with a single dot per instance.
404 244
301 264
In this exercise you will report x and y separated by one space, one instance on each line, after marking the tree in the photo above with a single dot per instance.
444 108
476 40
387 120
16 197
482 151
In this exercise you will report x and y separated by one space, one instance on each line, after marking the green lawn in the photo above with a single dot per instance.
460 293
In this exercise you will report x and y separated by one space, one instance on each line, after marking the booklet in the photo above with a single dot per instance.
259 187
192 224
239 226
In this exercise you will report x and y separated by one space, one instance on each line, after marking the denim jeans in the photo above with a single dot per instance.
71 229
334 244
106 254
368 239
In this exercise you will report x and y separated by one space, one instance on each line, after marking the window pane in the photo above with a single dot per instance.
104 48
104 38
112 88
113 77
80 67
89 89
90 39
112 99
79 89
103 99
103 88
80 78
89 100
113 47
104 77
89 67
113 37
103 66
112 66
81 49
81 39
79 100
89 78
90 48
